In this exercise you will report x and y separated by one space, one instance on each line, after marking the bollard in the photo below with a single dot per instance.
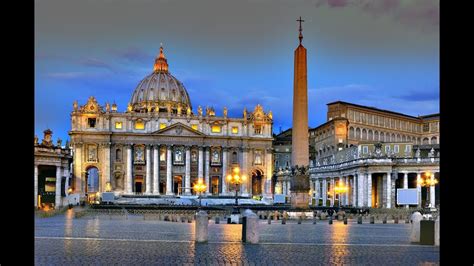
275 215
314 219
300 219
269 220
427 232
345 220
201 227
415 227
384 219
372 219
252 236
436 234
395 220
330 219
218 220
283 220
359 219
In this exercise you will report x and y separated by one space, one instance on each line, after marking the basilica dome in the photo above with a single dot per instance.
160 91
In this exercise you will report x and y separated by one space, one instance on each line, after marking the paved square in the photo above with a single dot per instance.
101 240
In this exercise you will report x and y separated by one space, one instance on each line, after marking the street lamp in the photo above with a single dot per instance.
428 181
237 180
339 189
199 187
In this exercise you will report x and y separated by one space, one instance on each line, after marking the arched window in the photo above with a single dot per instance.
398 137
364 134
434 140
382 136
426 141
376 136
357 133
234 157
92 177
118 155
351 133
371 135
392 137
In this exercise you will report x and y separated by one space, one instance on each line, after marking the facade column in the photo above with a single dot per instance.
325 192
418 188
169 180
78 167
66 183
36 185
269 173
200 163
57 202
156 170
355 187
206 169
346 195
405 185
187 173
369 190
432 192
106 173
225 154
245 186
129 180
283 189
361 178
148 170
389 190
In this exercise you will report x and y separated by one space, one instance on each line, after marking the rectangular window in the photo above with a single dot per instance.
365 149
118 125
426 127
91 122
195 127
162 125
139 125
395 148
387 149
258 130
408 148
216 129
235 130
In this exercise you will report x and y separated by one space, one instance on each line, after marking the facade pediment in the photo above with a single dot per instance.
178 129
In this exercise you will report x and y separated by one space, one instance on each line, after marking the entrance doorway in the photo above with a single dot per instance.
92 180
215 185
257 183
177 184
138 184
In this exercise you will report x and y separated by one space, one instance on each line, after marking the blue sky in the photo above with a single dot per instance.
380 53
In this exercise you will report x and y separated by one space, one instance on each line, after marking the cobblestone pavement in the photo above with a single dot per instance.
100 240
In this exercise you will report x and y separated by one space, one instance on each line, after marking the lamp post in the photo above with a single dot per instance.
199 187
236 180
340 188
427 181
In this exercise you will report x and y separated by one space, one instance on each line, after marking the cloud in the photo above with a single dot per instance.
420 96
422 14
132 54
69 75
94 62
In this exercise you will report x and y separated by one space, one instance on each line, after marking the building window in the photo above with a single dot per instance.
118 155
216 129
178 156
194 126
235 130
434 140
162 125
258 129
91 122
234 157
387 149
118 125
163 155
139 124
426 141
426 127
408 148
258 157
395 148
365 149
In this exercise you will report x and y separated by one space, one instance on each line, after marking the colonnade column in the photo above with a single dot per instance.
418 188
148 170
432 191
405 185
169 181
269 172
369 190
389 190
206 168
333 196
129 170
200 163
156 170
361 188
325 192
187 173
346 196
245 171
106 165
225 153
78 167
36 185
57 202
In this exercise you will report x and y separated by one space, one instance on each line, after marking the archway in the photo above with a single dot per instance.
92 180
257 177
177 184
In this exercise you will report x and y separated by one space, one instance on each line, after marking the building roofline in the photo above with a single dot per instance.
375 109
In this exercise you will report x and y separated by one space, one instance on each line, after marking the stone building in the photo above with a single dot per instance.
372 152
52 171
159 146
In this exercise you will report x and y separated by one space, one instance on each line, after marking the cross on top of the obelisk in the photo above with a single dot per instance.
301 29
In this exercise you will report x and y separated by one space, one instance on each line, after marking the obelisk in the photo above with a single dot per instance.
299 140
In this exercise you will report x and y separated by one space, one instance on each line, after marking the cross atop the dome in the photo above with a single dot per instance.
301 29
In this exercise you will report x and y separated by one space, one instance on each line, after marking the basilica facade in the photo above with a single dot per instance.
160 146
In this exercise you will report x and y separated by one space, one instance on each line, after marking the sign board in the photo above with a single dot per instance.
279 198
407 196
108 197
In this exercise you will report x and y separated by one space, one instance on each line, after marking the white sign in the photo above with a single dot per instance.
407 196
